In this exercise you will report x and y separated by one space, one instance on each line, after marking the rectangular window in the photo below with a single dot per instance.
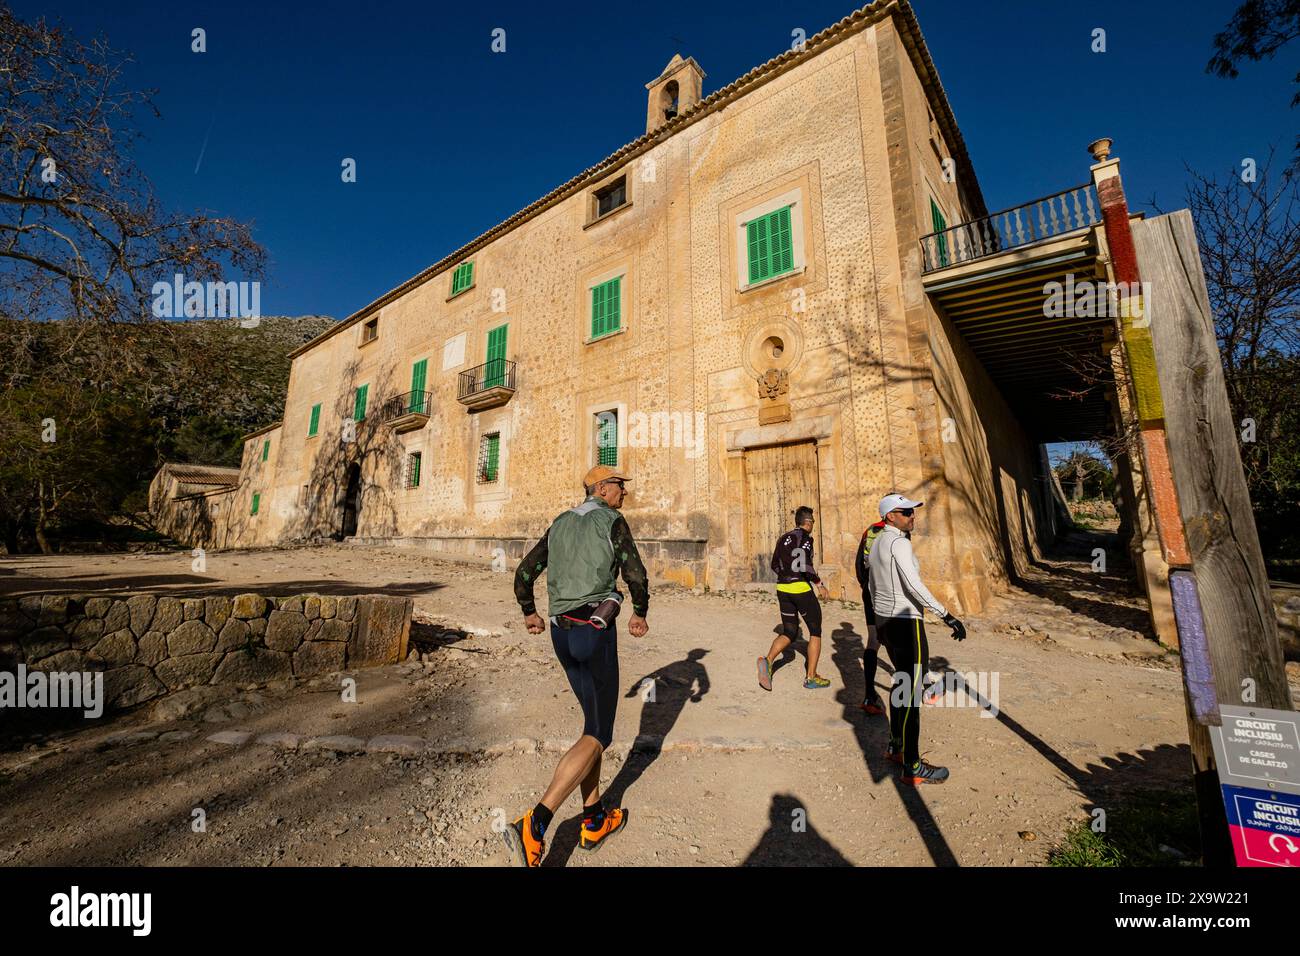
770 245
370 331
495 372
257 500
939 224
359 403
489 456
607 438
462 278
419 398
315 420
606 315
266 449
611 197
413 469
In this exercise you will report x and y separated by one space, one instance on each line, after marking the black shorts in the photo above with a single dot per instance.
804 603
589 656
868 607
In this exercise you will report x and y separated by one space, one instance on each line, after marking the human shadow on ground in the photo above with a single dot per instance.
791 840
664 694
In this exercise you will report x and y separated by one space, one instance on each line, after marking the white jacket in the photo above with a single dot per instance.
896 588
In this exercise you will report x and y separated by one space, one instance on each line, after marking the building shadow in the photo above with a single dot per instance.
872 735
791 840
665 693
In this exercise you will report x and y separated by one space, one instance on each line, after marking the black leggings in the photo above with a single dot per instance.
904 638
589 657
793 605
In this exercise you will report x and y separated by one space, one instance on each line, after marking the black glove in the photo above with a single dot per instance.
958 628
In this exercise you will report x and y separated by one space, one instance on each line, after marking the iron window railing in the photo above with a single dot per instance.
495 373
408 403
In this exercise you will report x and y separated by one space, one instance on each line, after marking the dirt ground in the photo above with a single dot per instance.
435 754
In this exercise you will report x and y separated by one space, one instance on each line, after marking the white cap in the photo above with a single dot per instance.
890 502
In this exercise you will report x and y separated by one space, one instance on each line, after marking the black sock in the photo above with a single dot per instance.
869 669
593 815
541 820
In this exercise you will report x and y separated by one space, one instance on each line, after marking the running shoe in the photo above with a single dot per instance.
875 706
814 683
525 849
764 673
924 772
591 840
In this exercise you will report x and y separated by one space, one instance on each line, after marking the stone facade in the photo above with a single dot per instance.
842 358
150 645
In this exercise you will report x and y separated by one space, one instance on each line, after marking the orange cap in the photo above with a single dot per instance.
602 473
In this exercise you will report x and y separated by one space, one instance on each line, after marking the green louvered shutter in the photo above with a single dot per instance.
418 371
940 224
257 500
462 278
495 372
493 456
770 245
266 449
607 439
315 420
606 306
359 406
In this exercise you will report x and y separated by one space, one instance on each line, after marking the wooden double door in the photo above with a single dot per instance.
778 479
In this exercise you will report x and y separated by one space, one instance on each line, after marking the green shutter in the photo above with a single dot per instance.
770 245
315 420
462 278
493 456
257 500
607 439
606 303
939 224
266 449
418 370
359 406
415 471
495 372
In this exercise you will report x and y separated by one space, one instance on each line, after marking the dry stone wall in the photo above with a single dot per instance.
148 645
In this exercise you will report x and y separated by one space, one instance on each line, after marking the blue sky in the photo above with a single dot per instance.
450 138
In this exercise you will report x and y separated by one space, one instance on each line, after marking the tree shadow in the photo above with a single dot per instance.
665 693
791 840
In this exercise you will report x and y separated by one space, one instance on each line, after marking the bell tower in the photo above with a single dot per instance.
677 89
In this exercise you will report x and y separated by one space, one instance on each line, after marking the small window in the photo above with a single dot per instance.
611 197
606 315
489 457
359 402
462 278
607 438
413 470
266 449
770 246
370 331
257 500
315 420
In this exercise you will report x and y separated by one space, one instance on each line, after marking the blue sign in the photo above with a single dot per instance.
1265 826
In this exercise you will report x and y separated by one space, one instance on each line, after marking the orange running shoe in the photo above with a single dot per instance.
591 840
525 849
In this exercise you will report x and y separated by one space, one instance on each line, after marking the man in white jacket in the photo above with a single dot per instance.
899 598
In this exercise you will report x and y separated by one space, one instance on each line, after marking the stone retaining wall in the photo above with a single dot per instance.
149 645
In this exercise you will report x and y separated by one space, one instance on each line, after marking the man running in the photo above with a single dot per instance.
793 563
898 597
871 701
582 552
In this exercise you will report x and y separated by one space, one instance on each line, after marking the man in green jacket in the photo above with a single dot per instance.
582 553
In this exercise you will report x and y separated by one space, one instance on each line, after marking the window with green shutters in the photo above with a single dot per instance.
489 456
770 245
607 438
413 469
359 404
462 278
257 500
418 399
939 224
315 421
494 373
606 316
266 449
